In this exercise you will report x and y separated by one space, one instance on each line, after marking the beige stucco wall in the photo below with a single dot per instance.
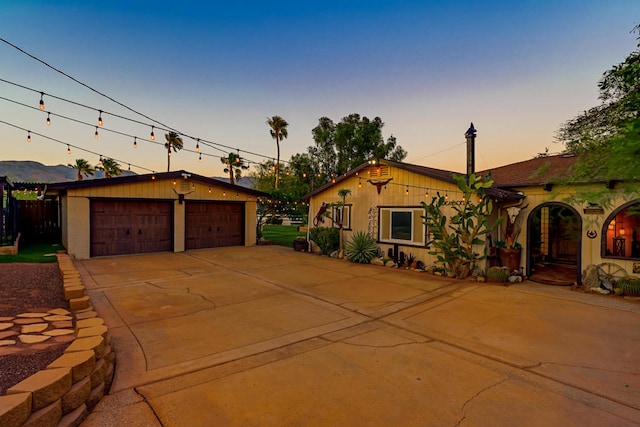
364 196
76 209
590 247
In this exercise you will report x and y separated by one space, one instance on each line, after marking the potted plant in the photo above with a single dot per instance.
509 253
300 244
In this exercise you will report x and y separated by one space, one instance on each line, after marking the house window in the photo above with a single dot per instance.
403 225
342 214
621 233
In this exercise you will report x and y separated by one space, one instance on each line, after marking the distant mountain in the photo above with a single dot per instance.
35 172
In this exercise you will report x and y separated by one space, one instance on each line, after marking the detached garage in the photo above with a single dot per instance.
173 211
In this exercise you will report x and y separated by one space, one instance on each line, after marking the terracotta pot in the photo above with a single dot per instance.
510 258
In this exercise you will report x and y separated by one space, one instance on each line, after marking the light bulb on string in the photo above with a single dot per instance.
407 191
446 195
198 145
68 149
100 122
152 136
129 166
304 174
28 136
200 158
135 142
426 193
41 106
48 122
238 157
96 136
100 161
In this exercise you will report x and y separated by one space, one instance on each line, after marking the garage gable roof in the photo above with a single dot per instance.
132 179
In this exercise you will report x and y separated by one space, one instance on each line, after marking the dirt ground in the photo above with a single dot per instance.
28 288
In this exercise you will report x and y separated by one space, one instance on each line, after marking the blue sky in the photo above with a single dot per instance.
218 70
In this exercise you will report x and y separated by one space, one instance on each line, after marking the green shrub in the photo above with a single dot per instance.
630 285
362 248
497 274
328 239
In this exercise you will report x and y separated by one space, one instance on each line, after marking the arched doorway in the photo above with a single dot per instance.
554 241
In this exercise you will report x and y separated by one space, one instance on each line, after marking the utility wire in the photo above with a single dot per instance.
166 127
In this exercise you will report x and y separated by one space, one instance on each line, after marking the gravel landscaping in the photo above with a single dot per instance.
29 288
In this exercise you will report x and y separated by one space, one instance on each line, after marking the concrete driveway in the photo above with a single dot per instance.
267 336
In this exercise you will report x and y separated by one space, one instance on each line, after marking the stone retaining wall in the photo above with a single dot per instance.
64 393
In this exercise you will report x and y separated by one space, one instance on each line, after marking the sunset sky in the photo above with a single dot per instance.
217 71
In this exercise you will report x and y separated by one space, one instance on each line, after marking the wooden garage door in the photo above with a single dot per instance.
121 227
212 225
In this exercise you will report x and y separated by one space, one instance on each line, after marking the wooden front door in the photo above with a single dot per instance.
121 227
212 225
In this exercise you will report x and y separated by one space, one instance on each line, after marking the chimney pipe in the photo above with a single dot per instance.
471 150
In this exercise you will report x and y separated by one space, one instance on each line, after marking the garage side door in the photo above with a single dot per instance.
212 225
120 227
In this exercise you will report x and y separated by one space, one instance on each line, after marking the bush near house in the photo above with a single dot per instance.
328 239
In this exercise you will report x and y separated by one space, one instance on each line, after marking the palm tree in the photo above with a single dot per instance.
278 132
234 166
110 167
173 142
83 167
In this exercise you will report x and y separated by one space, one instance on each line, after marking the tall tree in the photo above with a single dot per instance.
174 142
234 166
83 168
608 136
278 131
110 167
351 142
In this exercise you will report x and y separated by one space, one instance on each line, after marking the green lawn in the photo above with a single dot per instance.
281 235
33 253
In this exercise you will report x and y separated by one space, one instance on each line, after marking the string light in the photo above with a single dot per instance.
238 157
426 193
152 136
48 122
100 161
198 145
304 174
135 142
407 191
200 158
224 193
41 106
96 133
28 136
209 190
68 149
100 122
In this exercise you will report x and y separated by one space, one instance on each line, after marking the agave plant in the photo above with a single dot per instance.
362 248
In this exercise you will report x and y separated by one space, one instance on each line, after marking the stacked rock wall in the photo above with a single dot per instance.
64 393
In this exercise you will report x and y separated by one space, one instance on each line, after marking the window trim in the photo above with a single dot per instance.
411 209
334 209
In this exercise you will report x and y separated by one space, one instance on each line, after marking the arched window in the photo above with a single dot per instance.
621 233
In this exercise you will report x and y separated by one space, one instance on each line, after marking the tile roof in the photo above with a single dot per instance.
537 171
